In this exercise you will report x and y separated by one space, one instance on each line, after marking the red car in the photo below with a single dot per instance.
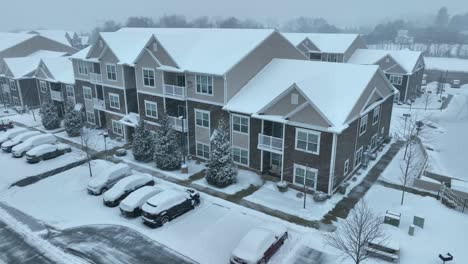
5 124
259 245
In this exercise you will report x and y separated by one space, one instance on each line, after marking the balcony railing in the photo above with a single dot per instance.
270 143
95 77
174 90
5 88
99 104
56 96
177 123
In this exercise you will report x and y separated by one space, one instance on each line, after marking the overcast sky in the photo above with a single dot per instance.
83 15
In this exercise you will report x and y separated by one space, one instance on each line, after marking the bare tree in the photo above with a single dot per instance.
427 97
361 228
409 167
85 135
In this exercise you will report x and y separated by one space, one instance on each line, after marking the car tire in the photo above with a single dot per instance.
103 190
164 220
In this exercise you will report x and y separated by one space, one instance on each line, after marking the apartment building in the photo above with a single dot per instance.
404 68
327 46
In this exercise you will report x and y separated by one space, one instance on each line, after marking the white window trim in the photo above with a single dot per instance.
399 78
69 87
110 101
305 175
318 134
240 116
83 65
346 168
84 93
365 117
43 86
196 149
143 77
355 156
107 72
240 163
212 85
87 118
203 111
151 103
113 130
12 87
377 109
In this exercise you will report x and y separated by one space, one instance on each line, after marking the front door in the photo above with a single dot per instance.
276 161
181 111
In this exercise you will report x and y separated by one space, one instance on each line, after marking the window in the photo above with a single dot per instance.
15 100
307 140
203 150
90 118
332 57
276 159
396 79
43 86
12 85
148 77
87 93
373 141
294 98
151 109
240 124
346 167
114 101
202 118
363 125
117 128
375 116
305 176
205 84
358 157
70 90
240 156
111 72
82 67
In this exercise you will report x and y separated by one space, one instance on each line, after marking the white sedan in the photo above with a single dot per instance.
131 206
124 187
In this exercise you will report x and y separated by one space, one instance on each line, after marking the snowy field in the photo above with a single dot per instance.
245 179
95 139
27 119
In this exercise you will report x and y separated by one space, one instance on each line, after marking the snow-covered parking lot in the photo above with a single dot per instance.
214 222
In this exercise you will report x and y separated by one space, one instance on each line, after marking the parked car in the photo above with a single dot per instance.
104 181
167 205
11 134
5 124
19 150
8 145
131 205
456 84
124 187
259 245
46 151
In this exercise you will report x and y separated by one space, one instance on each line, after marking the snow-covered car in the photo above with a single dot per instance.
8 145
259 245
131 205
19 150
46 151
11 134
167 205
105 180
126 186
5 124
456 84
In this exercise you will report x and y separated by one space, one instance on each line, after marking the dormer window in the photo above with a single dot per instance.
294 99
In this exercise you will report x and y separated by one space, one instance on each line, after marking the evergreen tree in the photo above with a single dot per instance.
49 114
72 121
167 149
221 170
143 143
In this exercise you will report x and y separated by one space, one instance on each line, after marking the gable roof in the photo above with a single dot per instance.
61 69
325 42
126 46
206 50
19 67
8 40
407 59
57 35
333 88
47 54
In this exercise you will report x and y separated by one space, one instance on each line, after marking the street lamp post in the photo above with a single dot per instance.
183 138
105 135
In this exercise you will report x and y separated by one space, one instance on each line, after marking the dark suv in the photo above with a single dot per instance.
167 205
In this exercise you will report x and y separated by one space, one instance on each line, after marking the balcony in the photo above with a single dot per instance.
5 88
177 123
174 90
269 143
95 77
56 96
99 104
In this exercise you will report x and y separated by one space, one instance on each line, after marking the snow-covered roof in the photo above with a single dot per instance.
20 67
47 54
81 55
131 119
254 244
325 42
333 88
126 45
56 35
126 184
407 59
208 50
61 69
446 64
8 40
164 200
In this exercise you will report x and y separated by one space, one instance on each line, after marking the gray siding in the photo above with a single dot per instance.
109 58
358 43
218 89
146 61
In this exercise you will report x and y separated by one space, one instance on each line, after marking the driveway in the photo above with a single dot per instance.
115 244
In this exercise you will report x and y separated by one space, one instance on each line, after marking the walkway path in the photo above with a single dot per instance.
344 206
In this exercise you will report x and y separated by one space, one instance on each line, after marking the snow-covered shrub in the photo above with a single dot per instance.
143 143
73 121
167 149
49 114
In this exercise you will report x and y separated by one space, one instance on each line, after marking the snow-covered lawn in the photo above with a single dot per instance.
207 234
13 169
27 119
95 141
193 167
395 170
244 180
